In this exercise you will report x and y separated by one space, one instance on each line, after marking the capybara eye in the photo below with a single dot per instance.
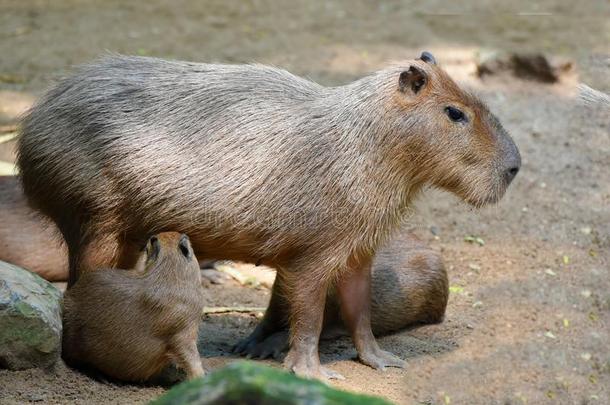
454 114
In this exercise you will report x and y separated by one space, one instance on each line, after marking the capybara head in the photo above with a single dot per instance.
451 139
168 250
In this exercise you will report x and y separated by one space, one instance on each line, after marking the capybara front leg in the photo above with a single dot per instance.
307 300
184 350
354 289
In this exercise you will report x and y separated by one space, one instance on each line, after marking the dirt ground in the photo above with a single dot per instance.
528 320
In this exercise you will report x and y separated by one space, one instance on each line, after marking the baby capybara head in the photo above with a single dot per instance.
454 140
168 250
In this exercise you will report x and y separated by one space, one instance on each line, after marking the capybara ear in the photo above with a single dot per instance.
413 80
427 57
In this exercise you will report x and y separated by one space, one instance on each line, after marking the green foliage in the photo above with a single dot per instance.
251 383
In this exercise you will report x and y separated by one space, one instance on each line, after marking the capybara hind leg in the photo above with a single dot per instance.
307 300
184 350
275 320
354 291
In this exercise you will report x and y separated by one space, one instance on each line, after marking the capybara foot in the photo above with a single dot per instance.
214 276
257 337
380 359
272 346
196 370
309 367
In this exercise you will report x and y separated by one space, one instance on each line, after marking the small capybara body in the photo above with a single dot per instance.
409 287
258 165
130 324
26 239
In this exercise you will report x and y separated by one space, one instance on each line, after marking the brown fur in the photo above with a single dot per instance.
409 287
257 165
130 324
26 239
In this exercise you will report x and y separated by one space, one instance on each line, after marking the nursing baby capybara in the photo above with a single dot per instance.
130 324
409 287
258 165
26 239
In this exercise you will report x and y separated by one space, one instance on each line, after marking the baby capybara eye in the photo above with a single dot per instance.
183 245
454 114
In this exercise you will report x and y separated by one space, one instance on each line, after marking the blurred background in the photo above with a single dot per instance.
529 315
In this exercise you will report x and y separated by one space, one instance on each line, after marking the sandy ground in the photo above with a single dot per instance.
528 320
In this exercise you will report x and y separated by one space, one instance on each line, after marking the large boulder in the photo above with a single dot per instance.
251 383
30 319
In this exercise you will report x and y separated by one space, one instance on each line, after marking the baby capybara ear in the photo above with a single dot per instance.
153 248
185 247
413 80
428 58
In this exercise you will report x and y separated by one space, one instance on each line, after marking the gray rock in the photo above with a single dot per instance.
30 319
529 66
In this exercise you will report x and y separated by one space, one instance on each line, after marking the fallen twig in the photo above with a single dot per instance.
8 128
224 310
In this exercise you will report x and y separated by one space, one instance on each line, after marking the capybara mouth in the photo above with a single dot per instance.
491 198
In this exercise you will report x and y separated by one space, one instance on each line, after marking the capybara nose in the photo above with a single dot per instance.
511 173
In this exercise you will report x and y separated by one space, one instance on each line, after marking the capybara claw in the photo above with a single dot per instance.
309 367
380 359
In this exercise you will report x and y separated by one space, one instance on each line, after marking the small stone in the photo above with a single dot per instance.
550 335
30 319
585 293
585 230
585 356
434 230
550 272
477 304
474 266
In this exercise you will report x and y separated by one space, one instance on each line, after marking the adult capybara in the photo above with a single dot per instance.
130 324
258 165
26 239
409 287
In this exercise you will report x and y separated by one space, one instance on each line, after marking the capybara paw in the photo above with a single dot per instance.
380 359
272 346
245 346
309 368
195 373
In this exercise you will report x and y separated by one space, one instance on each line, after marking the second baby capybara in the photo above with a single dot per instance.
409 287
26 239
261 166
130 324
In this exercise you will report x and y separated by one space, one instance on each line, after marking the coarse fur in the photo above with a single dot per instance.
409 287
130 324
257 165
26 239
